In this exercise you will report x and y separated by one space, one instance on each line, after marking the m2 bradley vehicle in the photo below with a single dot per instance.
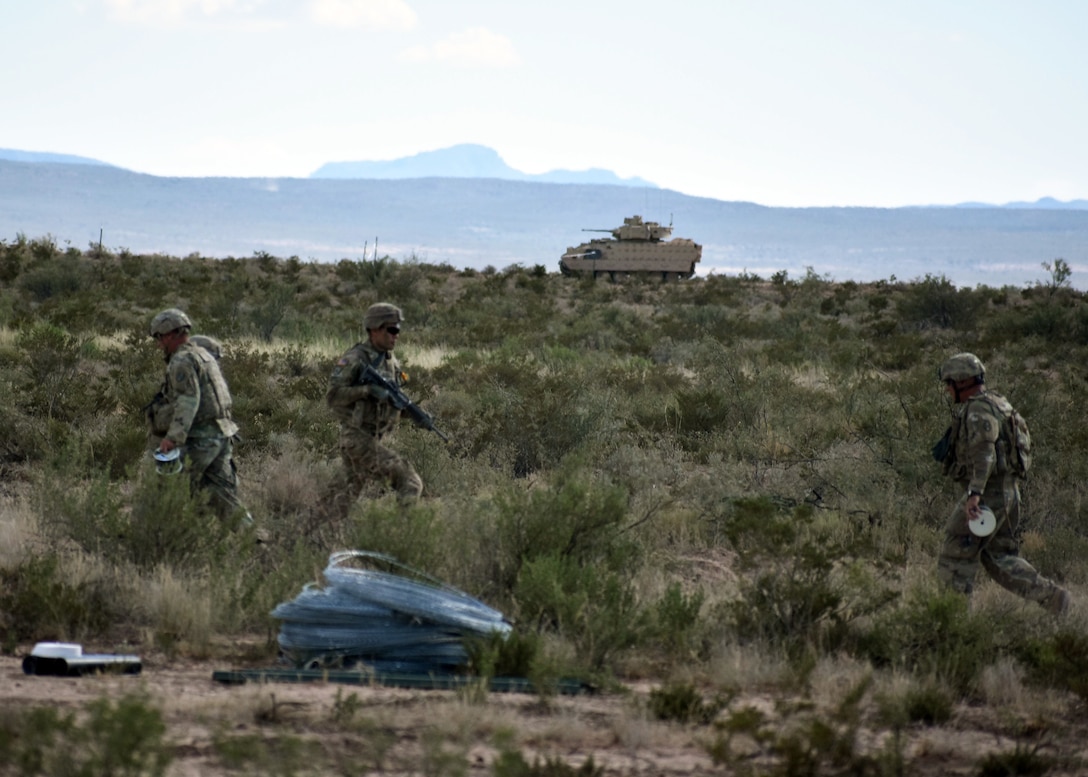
636 248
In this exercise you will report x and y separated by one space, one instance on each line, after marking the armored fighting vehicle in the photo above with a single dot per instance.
636 248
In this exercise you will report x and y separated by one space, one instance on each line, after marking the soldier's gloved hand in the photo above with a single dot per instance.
378 393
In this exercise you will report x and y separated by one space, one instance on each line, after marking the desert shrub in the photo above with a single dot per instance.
13 257
79 503
531 411
932 633
126 737
270 308
1058 660
284 753
511 763
807 741
808 582
682 702
1023 760
25 436
929 703
609 328
677 626
413 534
50 277
50 379
596 609
158 522
934 301
576 521
504 655
166 524
37 603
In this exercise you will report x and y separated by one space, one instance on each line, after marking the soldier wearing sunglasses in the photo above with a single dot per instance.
367 416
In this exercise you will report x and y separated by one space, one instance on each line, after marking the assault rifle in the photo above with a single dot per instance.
398 400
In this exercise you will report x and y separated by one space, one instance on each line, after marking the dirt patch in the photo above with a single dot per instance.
354 729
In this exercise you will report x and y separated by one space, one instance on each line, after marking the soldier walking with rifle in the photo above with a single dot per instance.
366 398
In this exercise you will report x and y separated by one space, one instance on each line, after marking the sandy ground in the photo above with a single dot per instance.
353 729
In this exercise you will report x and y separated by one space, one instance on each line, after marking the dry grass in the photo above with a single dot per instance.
179 612
18 529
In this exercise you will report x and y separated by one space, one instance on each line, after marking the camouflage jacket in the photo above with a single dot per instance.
979 441
196 396
363 406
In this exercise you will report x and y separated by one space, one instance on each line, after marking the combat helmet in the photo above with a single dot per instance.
169 320
382 313
962 366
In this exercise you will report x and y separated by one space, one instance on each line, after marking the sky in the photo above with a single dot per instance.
780 102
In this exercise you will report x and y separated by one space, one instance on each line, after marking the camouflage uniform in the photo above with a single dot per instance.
981 460
366 417
196 410
158 412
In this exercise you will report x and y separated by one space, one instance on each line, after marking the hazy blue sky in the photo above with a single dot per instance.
780 102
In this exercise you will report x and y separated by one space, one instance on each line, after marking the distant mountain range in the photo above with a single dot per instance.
467 160
47 157
470 160
480 222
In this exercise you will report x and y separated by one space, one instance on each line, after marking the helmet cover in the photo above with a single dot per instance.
962 366
382 313
169 320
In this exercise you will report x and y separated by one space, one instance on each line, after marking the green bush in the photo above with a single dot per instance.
37 603
595 609
930 704
1058 660
158 521
934 301
125 737
932 634
809 583
576 522
684 704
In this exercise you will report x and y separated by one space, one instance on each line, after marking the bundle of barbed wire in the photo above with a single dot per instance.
380 620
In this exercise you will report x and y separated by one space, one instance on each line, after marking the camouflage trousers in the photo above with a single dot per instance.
999 554
210 464
366 459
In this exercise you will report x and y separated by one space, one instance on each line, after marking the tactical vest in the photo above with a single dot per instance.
368 413
1013 445
213 414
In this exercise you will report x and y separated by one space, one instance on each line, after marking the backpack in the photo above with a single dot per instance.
1020 444
1015 434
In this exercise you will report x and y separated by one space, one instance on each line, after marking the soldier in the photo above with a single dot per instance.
158 411
366 416
987 455
197 404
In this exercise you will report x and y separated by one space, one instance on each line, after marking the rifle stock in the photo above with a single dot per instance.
400 401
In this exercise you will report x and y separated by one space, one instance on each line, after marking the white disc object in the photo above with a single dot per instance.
984 524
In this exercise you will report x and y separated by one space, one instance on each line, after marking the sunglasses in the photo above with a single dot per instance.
393 330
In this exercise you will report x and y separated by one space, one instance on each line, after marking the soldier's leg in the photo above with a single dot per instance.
383 463
406 481
346 484
1002 561
958 561
212 470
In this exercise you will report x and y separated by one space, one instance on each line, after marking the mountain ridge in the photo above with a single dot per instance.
465 160
471 160
476 223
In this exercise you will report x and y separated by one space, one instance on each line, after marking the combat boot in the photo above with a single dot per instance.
1058 603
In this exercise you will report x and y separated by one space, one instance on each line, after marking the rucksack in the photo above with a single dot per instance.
1020 444
1015 433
